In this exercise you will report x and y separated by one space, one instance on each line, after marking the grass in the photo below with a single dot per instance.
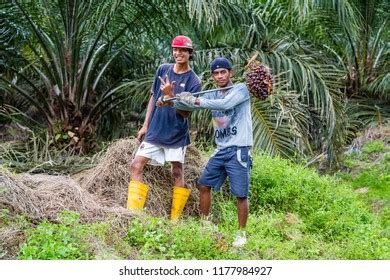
295 213
375 146
372 181
71 240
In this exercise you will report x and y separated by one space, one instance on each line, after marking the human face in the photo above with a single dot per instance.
181 55
222 77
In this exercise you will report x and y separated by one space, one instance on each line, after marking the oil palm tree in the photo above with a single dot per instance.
66 68
360 39
320 66
307 102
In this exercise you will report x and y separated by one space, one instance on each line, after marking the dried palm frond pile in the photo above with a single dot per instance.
100 192
44 196
17 197
109 179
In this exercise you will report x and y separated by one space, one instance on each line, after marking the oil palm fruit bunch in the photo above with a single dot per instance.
259 79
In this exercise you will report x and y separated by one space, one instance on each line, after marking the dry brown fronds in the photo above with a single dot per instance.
101 191
110 178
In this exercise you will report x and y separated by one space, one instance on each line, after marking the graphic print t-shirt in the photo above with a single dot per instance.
231 113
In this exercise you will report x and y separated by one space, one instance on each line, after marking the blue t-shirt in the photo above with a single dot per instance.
167 128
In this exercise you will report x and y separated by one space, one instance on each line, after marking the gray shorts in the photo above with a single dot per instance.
232 162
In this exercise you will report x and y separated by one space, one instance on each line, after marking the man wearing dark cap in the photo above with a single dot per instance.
233 135
164 135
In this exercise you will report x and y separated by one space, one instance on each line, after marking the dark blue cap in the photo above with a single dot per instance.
220 62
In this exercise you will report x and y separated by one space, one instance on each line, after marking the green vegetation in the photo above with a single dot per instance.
72 79
70 239
76 76
371 179
38 156
375 146
294 214
56 241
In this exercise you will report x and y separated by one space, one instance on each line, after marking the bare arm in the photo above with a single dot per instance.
141 133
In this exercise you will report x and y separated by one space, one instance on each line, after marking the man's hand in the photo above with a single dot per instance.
184 114
167 87
141 133
161 103
186 97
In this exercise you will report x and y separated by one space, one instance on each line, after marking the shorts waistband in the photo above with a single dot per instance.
235 148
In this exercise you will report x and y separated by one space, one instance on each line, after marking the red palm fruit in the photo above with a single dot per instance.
259 80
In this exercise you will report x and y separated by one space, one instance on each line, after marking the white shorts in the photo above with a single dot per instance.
159 155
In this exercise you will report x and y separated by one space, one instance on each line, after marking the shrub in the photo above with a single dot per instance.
327 207
56 241
375 146
157 238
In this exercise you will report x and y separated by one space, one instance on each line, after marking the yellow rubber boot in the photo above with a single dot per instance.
179 200
136 196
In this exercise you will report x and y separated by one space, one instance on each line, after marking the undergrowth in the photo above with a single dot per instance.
295 213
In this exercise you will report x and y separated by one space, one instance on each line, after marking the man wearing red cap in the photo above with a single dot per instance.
164 135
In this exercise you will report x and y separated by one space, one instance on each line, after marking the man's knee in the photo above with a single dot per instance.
242 200
204 189
177 170
137 165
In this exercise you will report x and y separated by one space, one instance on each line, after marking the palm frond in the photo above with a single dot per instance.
381 86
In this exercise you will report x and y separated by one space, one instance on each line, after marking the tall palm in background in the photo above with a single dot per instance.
360 39
298 38
91 68
65 66
302 114
366 57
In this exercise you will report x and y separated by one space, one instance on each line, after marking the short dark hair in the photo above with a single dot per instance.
190 51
